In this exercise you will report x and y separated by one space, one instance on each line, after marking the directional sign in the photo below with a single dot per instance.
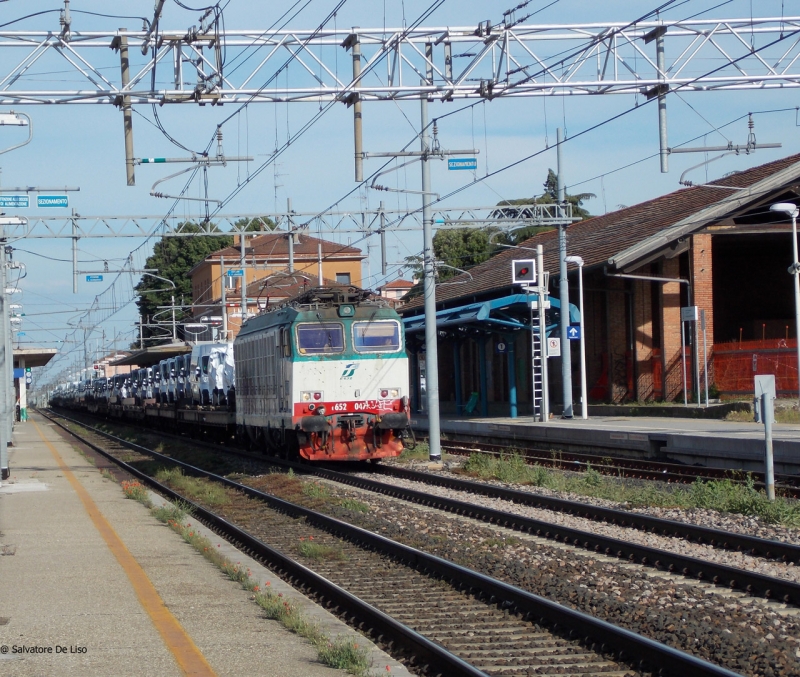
52 201
470 163
94 278
689 314
574 332
235 272
14 201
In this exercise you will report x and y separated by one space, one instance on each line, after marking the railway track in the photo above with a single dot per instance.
446 619
722 575
616 466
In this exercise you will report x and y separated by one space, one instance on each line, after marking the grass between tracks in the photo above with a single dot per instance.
343 653
723 495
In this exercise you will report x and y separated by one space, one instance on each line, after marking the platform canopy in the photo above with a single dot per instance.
150 356
34 357
505 313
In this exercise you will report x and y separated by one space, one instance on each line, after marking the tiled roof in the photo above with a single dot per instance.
276 245
397 284
598 239
286 285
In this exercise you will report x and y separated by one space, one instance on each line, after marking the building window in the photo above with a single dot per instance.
343 278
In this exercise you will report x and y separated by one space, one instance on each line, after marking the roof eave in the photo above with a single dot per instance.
700 219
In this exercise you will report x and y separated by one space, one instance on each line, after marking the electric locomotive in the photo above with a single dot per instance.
325 377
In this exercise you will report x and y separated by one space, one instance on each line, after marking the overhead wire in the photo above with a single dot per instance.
601 124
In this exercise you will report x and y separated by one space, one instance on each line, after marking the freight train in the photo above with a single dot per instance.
323 377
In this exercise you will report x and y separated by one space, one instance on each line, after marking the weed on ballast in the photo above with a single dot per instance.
420 452
724 495
592 478
743 499
319 551
344 654
137 491
197 488
510 468
176 512
316 490
354 505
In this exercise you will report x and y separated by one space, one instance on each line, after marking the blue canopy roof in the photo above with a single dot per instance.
495 315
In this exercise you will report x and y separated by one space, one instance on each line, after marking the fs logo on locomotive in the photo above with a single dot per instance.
349 371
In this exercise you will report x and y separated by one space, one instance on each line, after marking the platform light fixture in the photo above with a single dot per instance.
12 119
792 211
578 261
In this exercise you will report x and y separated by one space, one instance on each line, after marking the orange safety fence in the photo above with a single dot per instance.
736 363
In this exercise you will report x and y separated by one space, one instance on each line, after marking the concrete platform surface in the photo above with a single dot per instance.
69 605
711 442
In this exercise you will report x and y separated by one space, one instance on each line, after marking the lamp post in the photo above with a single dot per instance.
791 210
577 260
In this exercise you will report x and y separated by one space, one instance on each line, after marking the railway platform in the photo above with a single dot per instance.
706 442
93 584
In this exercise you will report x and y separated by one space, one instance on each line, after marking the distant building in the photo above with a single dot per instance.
396 289
267 256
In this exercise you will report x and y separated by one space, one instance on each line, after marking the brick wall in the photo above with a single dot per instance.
643 336
671 330
617 327
703 287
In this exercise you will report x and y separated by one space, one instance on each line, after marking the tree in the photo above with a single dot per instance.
464 248
550 196
173 258
257 223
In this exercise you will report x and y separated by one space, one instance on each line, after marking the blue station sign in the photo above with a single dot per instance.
469 163
235 272
14 201
94 278
52 201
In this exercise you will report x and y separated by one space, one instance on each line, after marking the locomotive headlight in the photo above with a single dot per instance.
305 396
317 396
390 392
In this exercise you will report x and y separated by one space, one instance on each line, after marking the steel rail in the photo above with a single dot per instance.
720 574
283 564
717 538
628 645
761 547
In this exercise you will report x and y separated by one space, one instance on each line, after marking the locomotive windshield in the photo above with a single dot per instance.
315 338
376 337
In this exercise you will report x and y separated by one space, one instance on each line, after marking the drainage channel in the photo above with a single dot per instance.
449 619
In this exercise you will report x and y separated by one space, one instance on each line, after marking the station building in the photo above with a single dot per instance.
715 246
266 259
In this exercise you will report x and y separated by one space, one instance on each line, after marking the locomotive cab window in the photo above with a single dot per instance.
318 338
381 336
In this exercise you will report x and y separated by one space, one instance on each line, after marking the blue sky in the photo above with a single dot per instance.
83 145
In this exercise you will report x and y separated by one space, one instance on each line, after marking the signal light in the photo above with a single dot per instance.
523 271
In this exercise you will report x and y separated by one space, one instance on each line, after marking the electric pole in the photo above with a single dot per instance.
563 284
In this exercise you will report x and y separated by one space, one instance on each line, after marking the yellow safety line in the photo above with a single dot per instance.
189 657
